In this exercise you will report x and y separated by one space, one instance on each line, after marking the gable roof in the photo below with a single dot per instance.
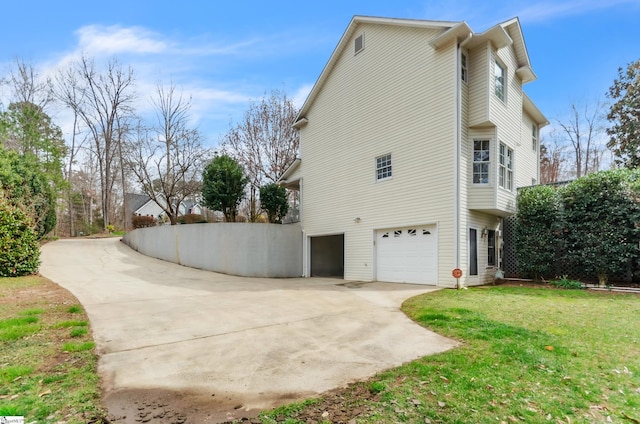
344 40
501 35
136 201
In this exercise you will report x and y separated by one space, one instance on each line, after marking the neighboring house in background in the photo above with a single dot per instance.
140 205
190 206
143 205
413 142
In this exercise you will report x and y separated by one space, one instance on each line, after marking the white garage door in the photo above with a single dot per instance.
407 255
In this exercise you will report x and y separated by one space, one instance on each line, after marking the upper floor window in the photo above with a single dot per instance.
505 173
500 81
463 67
534 137
383 167
481 161
359 44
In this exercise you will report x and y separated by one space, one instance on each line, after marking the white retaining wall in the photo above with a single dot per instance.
245 249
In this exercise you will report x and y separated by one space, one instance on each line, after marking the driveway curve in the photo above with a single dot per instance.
246 343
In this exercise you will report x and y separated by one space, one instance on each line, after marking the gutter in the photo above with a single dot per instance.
458 131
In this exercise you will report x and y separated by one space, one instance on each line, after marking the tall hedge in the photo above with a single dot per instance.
537 229
19 248
601 217
591 225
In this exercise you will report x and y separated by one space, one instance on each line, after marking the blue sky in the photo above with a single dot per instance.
224 54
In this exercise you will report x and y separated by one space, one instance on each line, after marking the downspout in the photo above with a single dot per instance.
458 136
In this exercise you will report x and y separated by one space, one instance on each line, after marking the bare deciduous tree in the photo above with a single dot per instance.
65 88
264 142
168 160
27 85
552 160
103 101
584 130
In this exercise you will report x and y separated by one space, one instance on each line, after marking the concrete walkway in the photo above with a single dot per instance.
158 325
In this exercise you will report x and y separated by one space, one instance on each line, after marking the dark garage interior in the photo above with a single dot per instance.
327 256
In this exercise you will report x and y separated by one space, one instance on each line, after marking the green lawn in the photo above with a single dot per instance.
47 364
529 355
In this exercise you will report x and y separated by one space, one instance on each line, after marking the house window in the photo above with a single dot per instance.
473 251
534 137
505 174
383 167
491 247
463 67
481 161
500 82
359 44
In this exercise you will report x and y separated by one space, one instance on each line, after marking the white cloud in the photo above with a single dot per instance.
115 39
301 94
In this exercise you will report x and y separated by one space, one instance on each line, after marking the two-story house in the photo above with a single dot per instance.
413 142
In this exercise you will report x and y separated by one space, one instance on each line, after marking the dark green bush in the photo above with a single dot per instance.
273 199
26 185
592 225
537 224
19 248
601 216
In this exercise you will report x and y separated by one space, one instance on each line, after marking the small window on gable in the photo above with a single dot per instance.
359 44
463 67
383 167
500 81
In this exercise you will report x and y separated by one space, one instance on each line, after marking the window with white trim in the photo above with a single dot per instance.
383 167
534 137
505 173
500 81
491 247
463 67
481 161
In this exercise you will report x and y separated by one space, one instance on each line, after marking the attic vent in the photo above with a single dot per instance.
359 43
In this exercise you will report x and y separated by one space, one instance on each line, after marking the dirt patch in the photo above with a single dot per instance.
339 406
157 406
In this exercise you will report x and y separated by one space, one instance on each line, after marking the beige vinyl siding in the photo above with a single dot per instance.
529 163
481 196
479 85
507 116
465 161
394 97
486 273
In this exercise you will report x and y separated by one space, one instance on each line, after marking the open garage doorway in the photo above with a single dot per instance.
327 256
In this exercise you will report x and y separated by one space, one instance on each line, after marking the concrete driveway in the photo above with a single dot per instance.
255 342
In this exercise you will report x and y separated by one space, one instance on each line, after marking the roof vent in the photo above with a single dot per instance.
359 43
